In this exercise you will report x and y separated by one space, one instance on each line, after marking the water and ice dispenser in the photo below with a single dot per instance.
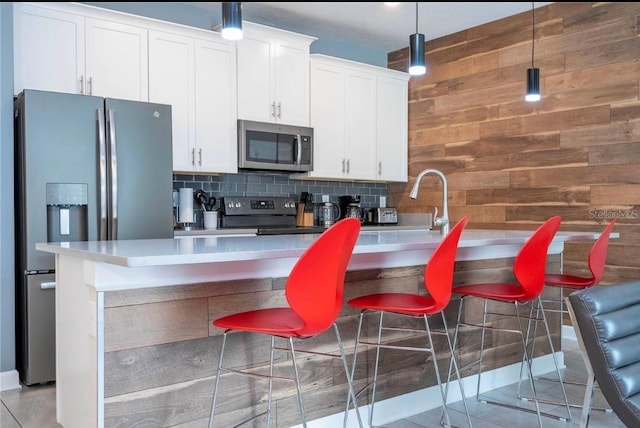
67 212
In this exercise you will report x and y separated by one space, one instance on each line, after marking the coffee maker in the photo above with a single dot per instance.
350 207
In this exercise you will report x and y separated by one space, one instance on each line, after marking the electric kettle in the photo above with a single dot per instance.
329 213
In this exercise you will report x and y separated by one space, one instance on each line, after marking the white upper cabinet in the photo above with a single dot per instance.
58 49
359 117
197 78
48 50
392 128
273 75
116 60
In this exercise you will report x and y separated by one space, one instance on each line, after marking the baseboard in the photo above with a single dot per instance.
9 380
417 402
568 333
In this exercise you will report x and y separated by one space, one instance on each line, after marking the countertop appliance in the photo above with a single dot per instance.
86 168
274 147
382 216
329 213
350 207
270 215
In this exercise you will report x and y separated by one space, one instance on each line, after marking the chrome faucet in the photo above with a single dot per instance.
442 222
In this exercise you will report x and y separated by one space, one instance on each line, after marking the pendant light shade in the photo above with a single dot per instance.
533 74
417 64
533 84
232 21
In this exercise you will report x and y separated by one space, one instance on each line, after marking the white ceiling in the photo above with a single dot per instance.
374 25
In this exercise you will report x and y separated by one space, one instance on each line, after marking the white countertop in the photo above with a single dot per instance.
232 248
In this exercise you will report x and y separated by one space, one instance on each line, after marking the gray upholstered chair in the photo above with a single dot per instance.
607 324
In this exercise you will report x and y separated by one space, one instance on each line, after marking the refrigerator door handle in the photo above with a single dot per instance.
102 176
113 174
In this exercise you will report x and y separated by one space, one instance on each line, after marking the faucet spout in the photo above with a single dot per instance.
443 221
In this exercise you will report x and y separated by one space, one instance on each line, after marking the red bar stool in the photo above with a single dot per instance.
528 269
438 281
596 261
314 291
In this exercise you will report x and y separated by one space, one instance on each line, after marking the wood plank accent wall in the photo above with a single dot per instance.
513 164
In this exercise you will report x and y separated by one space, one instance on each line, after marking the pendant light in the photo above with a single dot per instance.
417 65
232 21
533 74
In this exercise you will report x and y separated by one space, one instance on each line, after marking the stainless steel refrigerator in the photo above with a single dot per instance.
86 168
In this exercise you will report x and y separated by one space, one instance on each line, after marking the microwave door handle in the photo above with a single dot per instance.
298 150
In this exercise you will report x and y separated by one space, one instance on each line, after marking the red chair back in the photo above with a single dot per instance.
530 263
315 287
438 273
598 253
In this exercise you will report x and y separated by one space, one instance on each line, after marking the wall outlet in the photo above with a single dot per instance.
325 198
383 201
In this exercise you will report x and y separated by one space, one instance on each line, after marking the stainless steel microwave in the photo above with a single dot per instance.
274 147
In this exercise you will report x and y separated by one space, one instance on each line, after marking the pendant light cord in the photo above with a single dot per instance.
533 31
417 17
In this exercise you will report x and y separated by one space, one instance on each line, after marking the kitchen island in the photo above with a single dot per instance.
135 343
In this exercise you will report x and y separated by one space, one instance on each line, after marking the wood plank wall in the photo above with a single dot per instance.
512 164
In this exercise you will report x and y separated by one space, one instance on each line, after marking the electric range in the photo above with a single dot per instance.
270 215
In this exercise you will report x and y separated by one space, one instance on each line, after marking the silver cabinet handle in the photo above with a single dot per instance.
47 285
380 168
200 157
193 156
343 165
279 110
273 109
90 86
81 84
348 166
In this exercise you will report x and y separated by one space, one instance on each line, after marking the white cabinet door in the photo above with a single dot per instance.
48 50
171 81
392 129
197 78
360 125
328 121
255 80
273 76
116 60
216 106
291 91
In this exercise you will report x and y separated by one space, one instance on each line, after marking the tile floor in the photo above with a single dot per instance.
34 407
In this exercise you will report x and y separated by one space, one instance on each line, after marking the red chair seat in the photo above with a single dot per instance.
571 281
503 292
401 303
282 322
